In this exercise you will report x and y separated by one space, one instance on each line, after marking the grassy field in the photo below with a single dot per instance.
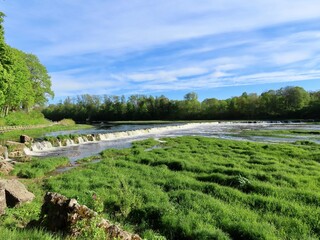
197 188
39 132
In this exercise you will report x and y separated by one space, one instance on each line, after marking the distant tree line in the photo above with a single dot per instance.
285 103
24 81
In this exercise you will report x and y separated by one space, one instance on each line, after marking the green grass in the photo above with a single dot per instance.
40 132
281 133
21 118
13 224
38 167
19 234
202 188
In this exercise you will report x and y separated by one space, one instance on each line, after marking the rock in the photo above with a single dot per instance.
58 213
3 152
15 146
5 167
25 138
16 193
16 150
3 203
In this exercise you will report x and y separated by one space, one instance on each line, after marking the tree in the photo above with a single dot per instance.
24 81
294 98
6 79
19 93
40 79
190 107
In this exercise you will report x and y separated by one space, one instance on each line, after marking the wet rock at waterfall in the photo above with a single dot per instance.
25 139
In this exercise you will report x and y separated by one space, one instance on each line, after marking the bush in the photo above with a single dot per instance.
67 122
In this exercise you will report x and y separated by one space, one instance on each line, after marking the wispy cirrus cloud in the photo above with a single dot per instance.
120 47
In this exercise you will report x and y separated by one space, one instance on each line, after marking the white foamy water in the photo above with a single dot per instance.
104 139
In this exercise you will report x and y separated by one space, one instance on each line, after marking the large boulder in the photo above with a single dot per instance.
16 149
25 139
3 152
59 213
3 204
16 193
5 167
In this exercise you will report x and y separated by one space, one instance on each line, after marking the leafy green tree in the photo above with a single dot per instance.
19 93
40 79
190 107
6 79
294 98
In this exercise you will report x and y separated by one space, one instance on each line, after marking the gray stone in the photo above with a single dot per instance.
25 138
3 204
16 192
5 167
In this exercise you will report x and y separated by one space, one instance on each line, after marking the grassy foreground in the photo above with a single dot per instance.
196 188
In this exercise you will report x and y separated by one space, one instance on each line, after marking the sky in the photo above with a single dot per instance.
216 48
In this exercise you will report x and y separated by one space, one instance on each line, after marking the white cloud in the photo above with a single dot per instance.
110 46
290 57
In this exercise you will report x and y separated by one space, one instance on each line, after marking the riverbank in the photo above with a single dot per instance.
196 188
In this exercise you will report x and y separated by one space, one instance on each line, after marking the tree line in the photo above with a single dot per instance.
284 103
24 81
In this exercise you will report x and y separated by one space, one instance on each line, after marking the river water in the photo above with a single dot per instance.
121 136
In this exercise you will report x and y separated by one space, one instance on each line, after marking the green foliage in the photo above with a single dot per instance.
39 132
38 167
201 188
89 229
67 122
284 103
24 81
18 234
25 118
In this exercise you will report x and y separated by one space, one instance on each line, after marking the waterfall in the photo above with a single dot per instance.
45 145
69 142
80 140
41 146
85 139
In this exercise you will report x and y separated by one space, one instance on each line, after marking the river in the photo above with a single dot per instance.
121 136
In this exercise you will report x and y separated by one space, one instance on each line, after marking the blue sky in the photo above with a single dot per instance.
216 48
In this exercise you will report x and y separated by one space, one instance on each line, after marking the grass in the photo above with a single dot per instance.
13 225
281 133
202 188
21 118
40 132
17 234
39 167
187 188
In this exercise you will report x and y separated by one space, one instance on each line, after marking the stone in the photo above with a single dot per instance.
3 152
25 138
3 203
59 213
16 193
5 167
